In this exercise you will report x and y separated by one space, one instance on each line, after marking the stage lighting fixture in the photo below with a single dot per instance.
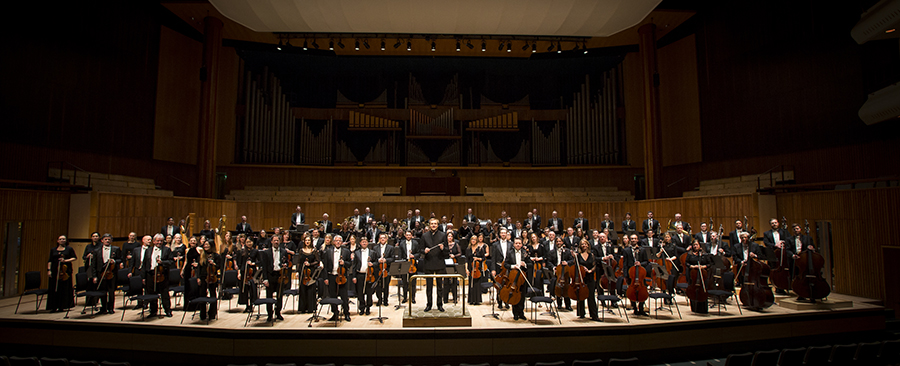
469 44
315 44
382 45
331 45
356 46
525 46
397 45
551 46
279 45
509 47
501 46
408 46
366 43
534 47
457 46
305 47
584 45
558 47
433 46
483 46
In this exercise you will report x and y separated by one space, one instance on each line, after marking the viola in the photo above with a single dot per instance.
412 266
511 292
160 274
110 271
63 272
620 269
478 266
341 276
637 291
370 275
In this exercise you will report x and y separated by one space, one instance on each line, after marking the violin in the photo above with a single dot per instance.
412 266
578 289
511 293
341 276
637 291
63 273
370 275
211 273
478 265
229 263
110 271
159 274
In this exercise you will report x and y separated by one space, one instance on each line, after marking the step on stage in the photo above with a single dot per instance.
365 340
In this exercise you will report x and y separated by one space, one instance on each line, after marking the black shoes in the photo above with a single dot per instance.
427 308
279 317
440 308
333 318
347 317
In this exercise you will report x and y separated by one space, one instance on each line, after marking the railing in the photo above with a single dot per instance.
676 182
75 171
771 176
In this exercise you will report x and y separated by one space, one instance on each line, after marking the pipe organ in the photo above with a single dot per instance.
592 126
316 144
268 122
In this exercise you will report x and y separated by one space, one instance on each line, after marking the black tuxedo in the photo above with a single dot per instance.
680 242
651 242
725 247
571 242
401 250
650 224
363 290
175 230
518 309
373 234
737 251
702 237
327 227
334 290
433 262
243 227
584 224
605 224
498 254
629 226
470 218
684 225
166 258
733 237
805 242
536 222
294 219
769 237
107 302
559 225
388 255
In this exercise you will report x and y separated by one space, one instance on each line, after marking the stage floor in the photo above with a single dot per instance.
364 341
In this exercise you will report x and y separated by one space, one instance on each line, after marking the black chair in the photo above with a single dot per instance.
541 300
867 353
739 359
657 296
4 361
83 363
624 362
720 297
108 363
81 286
766 358
330 301
136 286
193 287
890 352
175 285
817 355
24 361
123 283
607 301
32 287
791 356
842 354
46 361
230 285
597 362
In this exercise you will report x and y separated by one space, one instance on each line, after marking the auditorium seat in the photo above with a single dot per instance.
281 364
83 363
110 363
231 364
867 353
513 364
624 362
46 361
4 361
739 359
24 361
557 363
319 364
791 356
475 364
842 354
765 358
890 352
597 362
32 287
817 355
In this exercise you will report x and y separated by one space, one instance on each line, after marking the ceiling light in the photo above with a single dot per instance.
534 47
584 45
305 47
382 45
408 46
890 30
558 47
483 46
469 44
279 45
331 45
509 47
433 46
366 43
356 46
457 46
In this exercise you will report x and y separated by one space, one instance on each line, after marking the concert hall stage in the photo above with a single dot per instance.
365 341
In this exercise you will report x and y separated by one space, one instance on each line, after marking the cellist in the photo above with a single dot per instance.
518 258
559 256
586 259
796 244
605 252
697 259
635 256
743 252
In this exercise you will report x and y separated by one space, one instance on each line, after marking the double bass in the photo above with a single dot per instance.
755 291
808 281
697 290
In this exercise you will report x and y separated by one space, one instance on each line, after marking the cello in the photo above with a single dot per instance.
578 289
697 290
637 291
808 281
511 293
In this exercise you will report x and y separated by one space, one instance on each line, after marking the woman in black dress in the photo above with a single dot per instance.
60 296
308 260
475 263
190 271
586 259
537 253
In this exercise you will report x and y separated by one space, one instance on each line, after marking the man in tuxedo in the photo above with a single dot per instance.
537 219
650 241
519 231
504 221
243 226
383 253
571 239
581 222
408 249
528 224
373 232
795 245
607 223
518 258
650 224
775 235
716 246
273 261
549 240
681 239
362 260
470 217
443 225
555 224
160 259
327 226
434 250
629 226
734 235
333 259
499 250
703 235
107 257
745 250
297 218
559 256
418 218
686 226
367 216
170 228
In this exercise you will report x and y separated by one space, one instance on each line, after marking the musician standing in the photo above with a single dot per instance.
128 247
384 253
89 261
650 224
59 295
274 264
107 258
499 251
559 255
470 217
170 229
703 235
362 260
698 260
604 252
297 218
205 276
243 226
775 235
160 260
686 226
581 222
628 227
247 258
734 236
607 223
451 285
716 246
572 241
518 259
586 260
555 224
434 251
475 261
334 258
309 262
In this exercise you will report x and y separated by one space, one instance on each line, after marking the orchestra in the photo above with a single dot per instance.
566 263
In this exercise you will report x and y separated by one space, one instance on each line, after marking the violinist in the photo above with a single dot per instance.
107 258
128 247
363 259
559 256
408 249
209 262
59 266
434 250
475 261
586 260
247 258
537 255
384 253
308 257
334 259
161 261
697 259
743 252
518 258
451 285
273 262
499 251
178 248
189 271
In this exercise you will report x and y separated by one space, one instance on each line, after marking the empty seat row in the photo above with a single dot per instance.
862 354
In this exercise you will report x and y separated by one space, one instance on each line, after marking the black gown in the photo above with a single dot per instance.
307 298
60 295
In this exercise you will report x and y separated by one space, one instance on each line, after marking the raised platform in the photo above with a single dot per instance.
827 304
365 341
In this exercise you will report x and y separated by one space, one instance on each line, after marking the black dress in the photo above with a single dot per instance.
589 282
475 284
60 296
307 298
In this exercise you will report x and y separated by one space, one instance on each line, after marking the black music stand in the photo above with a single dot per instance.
493 298
381 318
399 269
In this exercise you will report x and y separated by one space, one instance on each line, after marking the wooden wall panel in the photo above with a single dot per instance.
679 103
177 98
863 222
119 214
45 216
